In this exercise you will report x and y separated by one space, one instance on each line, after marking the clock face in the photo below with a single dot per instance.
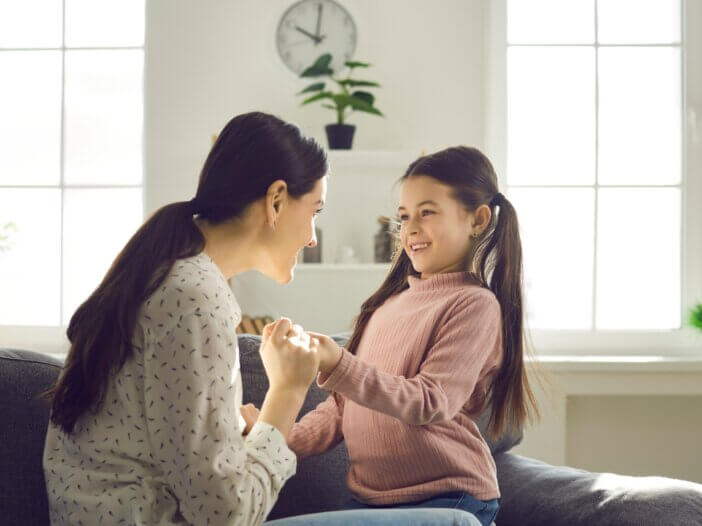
310 28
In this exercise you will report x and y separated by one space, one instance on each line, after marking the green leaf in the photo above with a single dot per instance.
364 95
318 96
319 68
316 72
361 105
324 60
355 83
352 64
695 316
318 86
329 106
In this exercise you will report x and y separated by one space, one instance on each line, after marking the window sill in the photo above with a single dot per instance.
621 363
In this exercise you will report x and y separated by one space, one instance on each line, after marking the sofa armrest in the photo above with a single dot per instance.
535 493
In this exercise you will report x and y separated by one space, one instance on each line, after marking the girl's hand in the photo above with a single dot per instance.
329 352
250 413
289 356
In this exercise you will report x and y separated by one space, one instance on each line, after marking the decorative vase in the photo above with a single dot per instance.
340 136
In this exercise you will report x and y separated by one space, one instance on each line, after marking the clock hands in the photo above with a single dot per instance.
316 39
319 21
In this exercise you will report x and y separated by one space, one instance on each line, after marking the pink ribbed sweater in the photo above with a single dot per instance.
410 395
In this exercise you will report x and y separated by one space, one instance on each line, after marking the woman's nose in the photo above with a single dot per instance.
313 241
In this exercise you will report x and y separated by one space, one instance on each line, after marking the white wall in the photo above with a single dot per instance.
209 61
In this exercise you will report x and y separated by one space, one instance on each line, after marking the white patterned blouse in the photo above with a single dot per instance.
166 446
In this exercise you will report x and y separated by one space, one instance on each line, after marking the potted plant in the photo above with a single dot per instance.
344 101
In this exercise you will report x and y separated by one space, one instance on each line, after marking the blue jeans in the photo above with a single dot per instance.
382 517
484 510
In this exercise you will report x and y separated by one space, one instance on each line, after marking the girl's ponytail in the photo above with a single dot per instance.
511 397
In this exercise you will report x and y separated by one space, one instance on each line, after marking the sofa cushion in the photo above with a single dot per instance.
24 374
538 494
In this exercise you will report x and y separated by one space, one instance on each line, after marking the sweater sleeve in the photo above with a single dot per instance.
447 377
191 383
319 430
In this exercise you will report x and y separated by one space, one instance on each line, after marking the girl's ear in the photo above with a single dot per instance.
481 218
275 200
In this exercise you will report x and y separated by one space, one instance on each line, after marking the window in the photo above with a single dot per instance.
591 144
71 100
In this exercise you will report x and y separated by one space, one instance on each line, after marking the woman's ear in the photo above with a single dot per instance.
275 200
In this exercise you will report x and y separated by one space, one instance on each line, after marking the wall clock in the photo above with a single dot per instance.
310 28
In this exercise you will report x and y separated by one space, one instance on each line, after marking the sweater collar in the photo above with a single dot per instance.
446 280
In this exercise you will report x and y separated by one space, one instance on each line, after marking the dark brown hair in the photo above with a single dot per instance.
252 151
496 261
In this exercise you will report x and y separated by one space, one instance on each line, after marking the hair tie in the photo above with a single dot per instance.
497 200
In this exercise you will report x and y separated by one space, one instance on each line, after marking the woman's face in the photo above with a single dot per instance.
295 230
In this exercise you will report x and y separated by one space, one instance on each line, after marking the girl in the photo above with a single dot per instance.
145 422
439 341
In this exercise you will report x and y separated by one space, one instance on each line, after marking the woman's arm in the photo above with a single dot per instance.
191 381
447 376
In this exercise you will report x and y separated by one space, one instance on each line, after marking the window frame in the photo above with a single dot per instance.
684 341
52 339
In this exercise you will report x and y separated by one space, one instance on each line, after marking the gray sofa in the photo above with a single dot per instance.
533 493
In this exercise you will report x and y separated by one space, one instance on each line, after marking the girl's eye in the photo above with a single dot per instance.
427 212
403 217
318 212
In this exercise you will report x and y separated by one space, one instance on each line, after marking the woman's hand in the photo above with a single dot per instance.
329 352
291 362
250 413
289 356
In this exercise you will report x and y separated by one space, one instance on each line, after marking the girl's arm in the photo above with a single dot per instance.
319 430
464 344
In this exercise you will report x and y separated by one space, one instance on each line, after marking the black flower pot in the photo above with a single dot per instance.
340 136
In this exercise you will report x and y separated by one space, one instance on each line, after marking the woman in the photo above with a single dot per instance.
145 424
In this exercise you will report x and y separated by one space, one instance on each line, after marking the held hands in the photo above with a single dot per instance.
327 349
296 344
289 356
291 359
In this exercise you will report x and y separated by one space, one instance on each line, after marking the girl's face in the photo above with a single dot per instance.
295 230
435 228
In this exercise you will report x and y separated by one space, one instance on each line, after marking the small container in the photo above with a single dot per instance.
384 241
